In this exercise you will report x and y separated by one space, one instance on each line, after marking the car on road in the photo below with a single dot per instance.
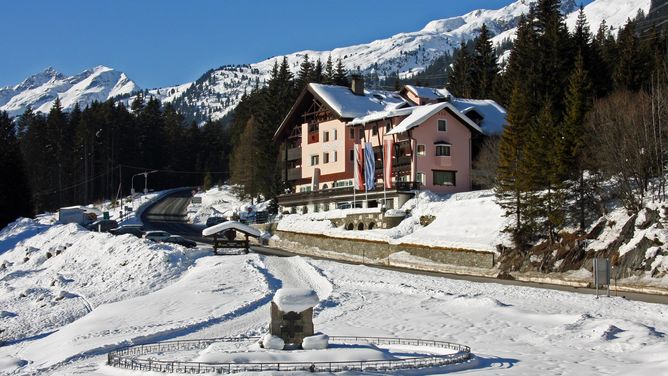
136 230
176 239
212 221
157 236
102 225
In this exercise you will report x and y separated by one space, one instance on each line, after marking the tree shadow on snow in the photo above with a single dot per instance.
14 239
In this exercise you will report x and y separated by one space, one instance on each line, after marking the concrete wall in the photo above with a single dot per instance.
380 250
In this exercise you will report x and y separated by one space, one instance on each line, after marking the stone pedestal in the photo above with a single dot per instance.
292 327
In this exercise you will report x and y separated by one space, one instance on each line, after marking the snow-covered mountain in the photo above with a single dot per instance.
218 91
39 91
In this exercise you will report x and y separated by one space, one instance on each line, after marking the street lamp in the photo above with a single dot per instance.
145 181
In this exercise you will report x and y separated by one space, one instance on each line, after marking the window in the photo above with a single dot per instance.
444 178
352 154
335 134
325 157
314 160
442 150
421 178
374 130
351 132
325 137
388 126
421 150
335 156
442 125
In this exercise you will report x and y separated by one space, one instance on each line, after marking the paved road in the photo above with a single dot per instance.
169 215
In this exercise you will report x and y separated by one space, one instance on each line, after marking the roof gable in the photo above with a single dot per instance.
420 114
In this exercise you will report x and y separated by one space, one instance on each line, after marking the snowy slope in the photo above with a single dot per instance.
614 12
512 330
41 90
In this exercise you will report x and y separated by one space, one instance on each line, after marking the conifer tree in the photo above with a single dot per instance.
15 195
571 145
512 182
329 71
340 74
460 73
304 75
484 69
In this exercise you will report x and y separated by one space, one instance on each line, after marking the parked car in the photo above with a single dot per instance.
136 230
176 239
157 236
212 221
102 225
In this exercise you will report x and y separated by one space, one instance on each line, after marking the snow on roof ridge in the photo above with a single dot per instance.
231 225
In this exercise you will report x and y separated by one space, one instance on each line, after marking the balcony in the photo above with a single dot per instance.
294 174
404 186
294 154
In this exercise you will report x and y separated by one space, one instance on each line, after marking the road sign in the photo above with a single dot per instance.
601 269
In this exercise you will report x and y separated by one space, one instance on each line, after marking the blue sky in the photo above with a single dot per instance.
164 42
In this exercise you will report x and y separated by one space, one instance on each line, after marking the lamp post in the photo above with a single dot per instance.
145 180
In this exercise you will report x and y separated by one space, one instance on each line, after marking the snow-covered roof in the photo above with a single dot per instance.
233 226
295 299
348 105
494 116
421 113
426 92
380 115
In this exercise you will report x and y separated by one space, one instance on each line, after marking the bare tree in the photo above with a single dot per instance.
485 165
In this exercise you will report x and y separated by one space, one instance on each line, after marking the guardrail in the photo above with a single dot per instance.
127 357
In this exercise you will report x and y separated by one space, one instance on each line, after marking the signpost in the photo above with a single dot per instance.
601 269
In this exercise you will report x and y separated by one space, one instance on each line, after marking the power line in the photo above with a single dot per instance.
173 171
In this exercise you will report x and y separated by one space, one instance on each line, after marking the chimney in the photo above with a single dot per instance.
357 84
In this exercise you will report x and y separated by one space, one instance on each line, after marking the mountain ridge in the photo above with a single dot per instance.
217 92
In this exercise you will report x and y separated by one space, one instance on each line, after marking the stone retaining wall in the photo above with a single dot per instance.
377 250
366 221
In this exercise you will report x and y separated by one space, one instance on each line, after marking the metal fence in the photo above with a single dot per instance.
128 357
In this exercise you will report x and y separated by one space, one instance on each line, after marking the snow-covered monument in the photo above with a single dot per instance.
292 316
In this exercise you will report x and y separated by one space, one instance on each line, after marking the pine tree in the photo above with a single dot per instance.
512 182
484 68
460 74
340 74
571 147
15 195
317 74
304 75
329 71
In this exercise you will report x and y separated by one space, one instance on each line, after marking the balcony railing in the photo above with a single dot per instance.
294 174
407 186
294 154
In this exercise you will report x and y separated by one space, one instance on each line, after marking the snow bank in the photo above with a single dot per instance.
295 299
271 342
469 220
57 274
316 342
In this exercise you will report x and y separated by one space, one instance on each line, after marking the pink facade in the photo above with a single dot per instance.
458 136
425 163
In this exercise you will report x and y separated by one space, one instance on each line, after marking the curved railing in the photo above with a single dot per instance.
130 357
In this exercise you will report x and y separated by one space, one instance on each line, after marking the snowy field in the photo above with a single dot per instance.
61 315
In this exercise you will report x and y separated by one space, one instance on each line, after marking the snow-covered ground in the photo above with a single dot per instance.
60 315
470 220
222 201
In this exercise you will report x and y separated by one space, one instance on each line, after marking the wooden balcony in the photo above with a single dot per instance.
294 154
294 174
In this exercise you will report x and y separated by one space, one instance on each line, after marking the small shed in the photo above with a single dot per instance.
225 235
292 315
